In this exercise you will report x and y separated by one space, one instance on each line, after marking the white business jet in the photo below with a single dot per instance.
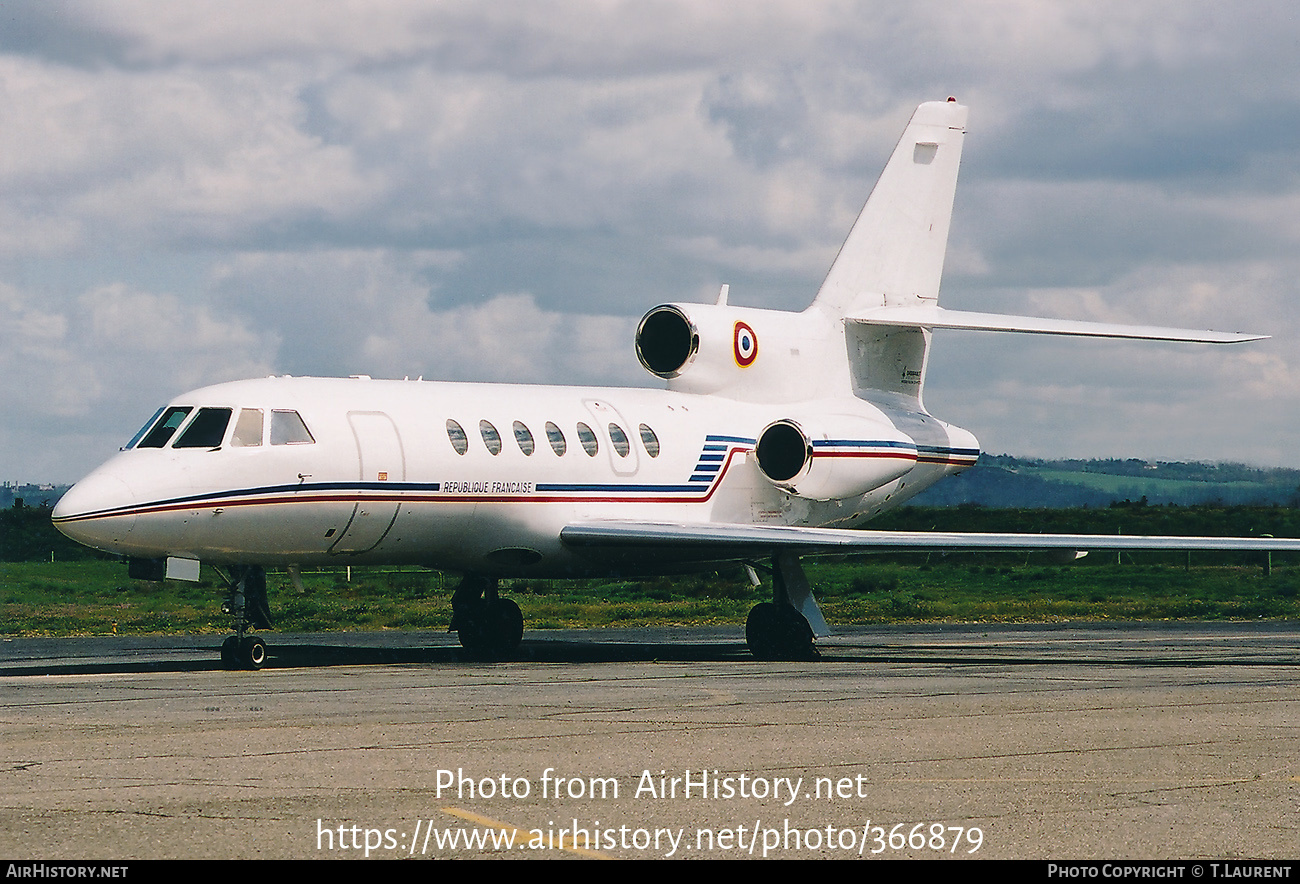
777 435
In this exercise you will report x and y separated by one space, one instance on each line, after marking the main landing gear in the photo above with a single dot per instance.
247 606
488 626
785 628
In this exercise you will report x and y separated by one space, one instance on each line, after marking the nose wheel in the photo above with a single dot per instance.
246 652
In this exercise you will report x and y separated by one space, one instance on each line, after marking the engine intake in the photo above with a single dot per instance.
666 341
783 451
850 457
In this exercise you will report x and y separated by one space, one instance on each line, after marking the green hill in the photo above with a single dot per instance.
1001 480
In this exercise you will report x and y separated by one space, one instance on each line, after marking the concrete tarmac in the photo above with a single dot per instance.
1088 741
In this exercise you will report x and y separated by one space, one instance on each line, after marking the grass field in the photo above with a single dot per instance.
95 597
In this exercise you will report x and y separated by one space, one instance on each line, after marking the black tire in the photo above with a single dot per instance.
493 631
252 653
507 626
230 652
779 632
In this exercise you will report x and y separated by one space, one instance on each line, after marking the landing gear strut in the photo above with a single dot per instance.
488 626
247 606
784 628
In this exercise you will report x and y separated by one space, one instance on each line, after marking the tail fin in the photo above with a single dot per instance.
884 285
894 253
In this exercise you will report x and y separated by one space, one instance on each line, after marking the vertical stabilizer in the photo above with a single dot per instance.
894 254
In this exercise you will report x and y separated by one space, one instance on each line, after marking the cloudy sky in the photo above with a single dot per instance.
201 191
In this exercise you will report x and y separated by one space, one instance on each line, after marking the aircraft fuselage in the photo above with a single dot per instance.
482 477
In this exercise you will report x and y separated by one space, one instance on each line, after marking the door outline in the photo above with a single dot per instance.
380 458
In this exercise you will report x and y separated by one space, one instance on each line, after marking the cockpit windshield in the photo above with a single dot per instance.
163 430
206 430
147 424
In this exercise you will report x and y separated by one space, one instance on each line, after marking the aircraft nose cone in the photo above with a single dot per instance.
93 512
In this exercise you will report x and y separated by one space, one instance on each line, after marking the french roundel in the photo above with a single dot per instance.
745 345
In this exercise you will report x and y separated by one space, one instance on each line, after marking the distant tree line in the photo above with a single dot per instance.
28 535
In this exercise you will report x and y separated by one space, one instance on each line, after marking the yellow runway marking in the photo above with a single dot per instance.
522 833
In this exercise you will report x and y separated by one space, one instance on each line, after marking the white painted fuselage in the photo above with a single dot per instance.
388 478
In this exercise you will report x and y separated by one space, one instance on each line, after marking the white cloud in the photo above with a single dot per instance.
498 190
508 339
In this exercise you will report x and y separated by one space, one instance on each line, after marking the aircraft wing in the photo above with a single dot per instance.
724 542
938 317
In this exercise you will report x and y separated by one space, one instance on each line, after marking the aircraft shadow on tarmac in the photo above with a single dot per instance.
306 655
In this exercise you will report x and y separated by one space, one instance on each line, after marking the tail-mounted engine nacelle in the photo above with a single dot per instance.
847 457
740 352
667 342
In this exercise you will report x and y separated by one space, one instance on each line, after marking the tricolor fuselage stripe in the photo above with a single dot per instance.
418 492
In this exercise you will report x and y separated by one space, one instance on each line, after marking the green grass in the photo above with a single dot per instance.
96 598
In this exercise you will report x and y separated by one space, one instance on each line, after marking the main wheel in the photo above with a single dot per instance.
779 632
493 631
507 626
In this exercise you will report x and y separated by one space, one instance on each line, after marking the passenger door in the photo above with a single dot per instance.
380 461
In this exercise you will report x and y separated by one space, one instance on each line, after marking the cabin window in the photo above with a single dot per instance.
163 430
287 428
147 424
524 437
649 440
491 438
556 438
619 438
206 430
588 439
248 429
456 434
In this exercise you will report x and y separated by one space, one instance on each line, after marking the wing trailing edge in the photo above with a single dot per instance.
720 541
938 317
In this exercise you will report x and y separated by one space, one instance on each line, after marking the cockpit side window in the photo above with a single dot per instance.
287 428
206 430
147 424
166 426
248 429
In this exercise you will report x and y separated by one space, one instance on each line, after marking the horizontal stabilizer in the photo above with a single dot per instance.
726 542
938 317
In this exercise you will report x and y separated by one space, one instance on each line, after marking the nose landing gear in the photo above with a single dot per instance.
243 652
246 603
